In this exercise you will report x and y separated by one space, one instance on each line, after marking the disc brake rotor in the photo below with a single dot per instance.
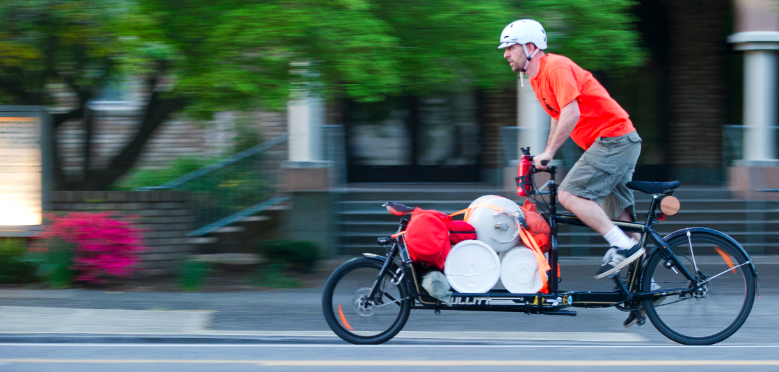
360 303
702 292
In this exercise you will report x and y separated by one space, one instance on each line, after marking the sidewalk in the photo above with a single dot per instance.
145 325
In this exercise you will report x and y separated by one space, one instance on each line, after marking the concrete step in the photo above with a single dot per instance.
229 258
240 236
348 218
567 250
395 192
362 218
598 242
256 219
642 204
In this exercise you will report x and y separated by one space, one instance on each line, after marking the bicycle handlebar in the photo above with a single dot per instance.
543 162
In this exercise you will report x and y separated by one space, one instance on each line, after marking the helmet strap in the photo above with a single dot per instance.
527 63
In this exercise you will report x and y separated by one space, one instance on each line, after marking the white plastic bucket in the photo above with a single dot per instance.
498 230
472 267
519 271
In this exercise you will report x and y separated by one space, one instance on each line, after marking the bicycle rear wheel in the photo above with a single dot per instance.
718 307
352 315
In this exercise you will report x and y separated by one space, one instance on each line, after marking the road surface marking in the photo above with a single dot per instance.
405 363
466 335
391 346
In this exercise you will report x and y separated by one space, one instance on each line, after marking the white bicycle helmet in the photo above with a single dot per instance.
522 32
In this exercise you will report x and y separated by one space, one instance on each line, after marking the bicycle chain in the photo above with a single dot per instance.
679 300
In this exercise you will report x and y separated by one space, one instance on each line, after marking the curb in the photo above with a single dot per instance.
158 339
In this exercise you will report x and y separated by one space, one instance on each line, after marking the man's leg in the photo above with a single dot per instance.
588 211
593 215
627 217
603 169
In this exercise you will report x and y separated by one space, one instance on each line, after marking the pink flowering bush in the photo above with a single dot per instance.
103 247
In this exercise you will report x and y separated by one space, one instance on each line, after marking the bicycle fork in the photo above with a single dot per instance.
384 269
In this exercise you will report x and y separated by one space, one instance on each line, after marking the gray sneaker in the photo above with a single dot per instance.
615 259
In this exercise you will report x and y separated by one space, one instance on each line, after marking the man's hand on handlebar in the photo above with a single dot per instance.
541 161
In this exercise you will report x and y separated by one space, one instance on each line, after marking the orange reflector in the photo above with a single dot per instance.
343 319
725 257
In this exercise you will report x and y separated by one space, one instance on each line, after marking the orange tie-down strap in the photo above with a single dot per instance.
543 265
466 210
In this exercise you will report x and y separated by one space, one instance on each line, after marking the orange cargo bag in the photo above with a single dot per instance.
537 226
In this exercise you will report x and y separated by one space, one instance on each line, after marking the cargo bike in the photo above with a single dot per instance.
696 285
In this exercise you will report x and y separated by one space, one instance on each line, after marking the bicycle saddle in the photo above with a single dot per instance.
397 208
653 187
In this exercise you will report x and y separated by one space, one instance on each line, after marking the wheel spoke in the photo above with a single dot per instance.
355 317
732 268
712 310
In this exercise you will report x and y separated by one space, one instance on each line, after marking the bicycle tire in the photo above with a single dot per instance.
339 324
718 310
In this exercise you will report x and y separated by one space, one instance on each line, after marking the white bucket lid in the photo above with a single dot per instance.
484 220
472 267
519 271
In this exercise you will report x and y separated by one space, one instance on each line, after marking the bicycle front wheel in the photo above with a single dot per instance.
353 316
718 307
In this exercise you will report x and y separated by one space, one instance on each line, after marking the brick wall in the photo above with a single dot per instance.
164 215
499 109
697 82
177 137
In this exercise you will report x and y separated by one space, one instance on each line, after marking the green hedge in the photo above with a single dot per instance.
15 265
298 255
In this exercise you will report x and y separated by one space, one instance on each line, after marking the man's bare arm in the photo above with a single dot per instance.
559 132
569 116
552 127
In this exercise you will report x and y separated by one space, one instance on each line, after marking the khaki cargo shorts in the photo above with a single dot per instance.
603 170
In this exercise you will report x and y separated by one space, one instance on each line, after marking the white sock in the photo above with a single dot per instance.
617 238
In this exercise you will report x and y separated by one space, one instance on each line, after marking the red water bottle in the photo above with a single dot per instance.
524 186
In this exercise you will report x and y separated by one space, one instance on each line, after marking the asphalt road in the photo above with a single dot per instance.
592 341
414 357
296 311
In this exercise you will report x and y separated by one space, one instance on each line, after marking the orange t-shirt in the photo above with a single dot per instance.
560 81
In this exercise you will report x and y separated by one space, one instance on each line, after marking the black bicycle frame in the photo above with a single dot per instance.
552 302
645 229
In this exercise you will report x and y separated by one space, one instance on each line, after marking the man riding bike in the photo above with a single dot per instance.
595 187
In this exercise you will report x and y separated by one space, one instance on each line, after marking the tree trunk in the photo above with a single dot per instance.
157 111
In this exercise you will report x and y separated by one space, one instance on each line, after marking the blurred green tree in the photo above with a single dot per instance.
204 56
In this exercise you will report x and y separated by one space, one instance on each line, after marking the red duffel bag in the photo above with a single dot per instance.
460 231
427 237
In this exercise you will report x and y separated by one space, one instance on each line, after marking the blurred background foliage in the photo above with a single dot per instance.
202 56
233 53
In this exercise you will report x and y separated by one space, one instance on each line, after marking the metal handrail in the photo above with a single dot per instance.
232 189
220 164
